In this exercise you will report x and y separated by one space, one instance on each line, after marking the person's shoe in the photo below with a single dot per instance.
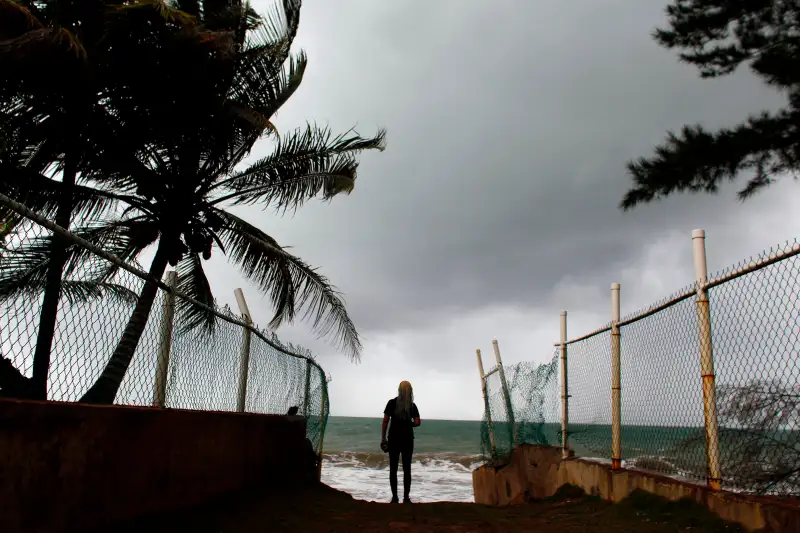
406 500
394 500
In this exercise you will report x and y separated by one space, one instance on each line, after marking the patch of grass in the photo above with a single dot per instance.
682 514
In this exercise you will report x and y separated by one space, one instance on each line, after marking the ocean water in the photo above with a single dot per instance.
445 453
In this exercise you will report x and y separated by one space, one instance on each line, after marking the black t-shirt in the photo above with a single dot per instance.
400 429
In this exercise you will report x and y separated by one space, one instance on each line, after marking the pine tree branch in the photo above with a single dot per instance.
697 160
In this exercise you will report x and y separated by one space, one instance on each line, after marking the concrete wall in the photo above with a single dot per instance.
538 471
72 467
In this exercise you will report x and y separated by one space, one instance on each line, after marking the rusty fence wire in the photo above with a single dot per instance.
709 383
177 364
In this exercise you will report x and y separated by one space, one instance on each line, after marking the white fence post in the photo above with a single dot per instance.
506 395
616 382
307 398
244 364
714 474
165 341
487 408
564 388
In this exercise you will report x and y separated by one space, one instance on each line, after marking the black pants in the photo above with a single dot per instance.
406 449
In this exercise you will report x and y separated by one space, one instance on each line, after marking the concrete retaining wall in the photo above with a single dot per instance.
538 471
73 467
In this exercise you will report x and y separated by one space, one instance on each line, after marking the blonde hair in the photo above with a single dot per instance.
405 399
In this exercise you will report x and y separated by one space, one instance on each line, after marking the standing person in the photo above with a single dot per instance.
404 417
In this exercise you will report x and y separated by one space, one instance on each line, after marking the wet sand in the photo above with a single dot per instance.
322 509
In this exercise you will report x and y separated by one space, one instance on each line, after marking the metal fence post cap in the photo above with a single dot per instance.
698 234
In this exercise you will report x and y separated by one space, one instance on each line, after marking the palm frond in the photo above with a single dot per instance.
125 239
265 89
193 282
9 222
163 9
39 44
23 273
286 83
82 291
277 29
259 121
44 195
304 165
25 265
267 48
290 283
15 19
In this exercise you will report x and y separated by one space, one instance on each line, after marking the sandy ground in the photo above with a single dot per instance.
322 509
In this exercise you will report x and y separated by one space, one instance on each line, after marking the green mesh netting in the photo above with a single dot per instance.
533 414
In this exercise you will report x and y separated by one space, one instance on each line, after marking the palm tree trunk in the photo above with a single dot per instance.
52 291
105 388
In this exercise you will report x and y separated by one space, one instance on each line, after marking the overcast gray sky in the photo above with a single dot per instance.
494 206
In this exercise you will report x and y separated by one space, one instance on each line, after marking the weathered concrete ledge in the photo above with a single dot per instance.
536 472
74 467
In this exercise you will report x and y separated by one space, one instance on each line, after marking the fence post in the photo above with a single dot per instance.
306 398
165 341
564 388
713 473
616 382
322 423
489 426
244 364
514 432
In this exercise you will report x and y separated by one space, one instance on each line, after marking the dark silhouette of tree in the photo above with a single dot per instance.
759 425
60 61
201 81
759 441
187 176
718 36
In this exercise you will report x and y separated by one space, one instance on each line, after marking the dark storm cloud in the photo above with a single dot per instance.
509 126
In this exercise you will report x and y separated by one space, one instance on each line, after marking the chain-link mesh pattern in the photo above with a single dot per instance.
533 391
589 381
754 310
303 384
756 338
662 398
203 369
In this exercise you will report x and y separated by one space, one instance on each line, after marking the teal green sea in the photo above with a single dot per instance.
433 436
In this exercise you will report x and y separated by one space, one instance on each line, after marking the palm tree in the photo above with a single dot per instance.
182 183
58 130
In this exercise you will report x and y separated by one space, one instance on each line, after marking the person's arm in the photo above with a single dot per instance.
383 427
386 412
415 419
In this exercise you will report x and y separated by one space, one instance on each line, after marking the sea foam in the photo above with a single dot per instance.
435 477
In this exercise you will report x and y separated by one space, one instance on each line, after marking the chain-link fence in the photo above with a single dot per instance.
709 379
533 395
220 363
